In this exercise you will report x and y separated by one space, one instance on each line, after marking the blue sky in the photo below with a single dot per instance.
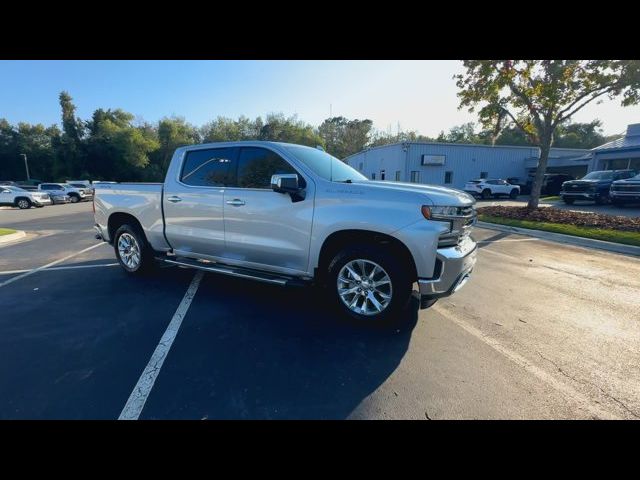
420 95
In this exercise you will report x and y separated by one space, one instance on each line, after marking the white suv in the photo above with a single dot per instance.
23 199
487 188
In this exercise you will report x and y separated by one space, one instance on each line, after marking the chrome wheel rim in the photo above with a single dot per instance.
23 204
129 250
364 287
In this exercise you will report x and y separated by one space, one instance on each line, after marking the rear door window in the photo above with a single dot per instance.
213 167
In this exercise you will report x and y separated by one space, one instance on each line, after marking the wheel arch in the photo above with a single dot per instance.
337 240
117 219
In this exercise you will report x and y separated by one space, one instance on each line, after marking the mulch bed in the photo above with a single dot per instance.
555 215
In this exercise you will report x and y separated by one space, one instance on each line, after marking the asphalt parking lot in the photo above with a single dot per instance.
542 330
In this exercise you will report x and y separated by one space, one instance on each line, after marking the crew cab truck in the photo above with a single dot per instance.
292 215
625 191
594 186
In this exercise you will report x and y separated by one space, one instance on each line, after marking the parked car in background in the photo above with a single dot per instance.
552 183
525 187
487 188
625 191
594 186
58 189
88 191
23 199
84 184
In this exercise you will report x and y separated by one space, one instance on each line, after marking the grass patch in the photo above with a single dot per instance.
6 231
551 198
616 236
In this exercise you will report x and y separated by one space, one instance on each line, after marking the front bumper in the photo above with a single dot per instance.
581 195
454 267
621 197
42 201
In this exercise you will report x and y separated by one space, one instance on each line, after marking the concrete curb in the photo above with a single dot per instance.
12 237
569 239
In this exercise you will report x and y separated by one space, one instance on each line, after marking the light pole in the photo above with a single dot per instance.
26 165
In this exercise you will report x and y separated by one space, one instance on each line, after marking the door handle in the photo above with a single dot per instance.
236 202
174 199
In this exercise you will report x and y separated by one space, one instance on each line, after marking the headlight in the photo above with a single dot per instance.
436 211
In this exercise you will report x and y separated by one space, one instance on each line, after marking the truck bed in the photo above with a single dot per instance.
141 200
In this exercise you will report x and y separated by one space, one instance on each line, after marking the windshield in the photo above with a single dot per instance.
325 165
598 176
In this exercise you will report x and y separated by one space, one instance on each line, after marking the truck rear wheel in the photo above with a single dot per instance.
133 252
367 284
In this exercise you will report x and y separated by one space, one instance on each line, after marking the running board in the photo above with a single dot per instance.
235 271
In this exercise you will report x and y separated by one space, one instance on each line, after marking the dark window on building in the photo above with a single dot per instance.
484 174
415 176
257 165
448 177
397 175
209 168
383 174
373 176
361 166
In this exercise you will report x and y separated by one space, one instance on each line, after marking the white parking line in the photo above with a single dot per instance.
70 267
137 399
35 270
581 399
509 240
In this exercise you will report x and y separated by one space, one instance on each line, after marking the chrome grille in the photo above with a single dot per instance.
461 225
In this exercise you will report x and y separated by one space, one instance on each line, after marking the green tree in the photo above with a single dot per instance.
538 96
173 133
224 129
343 137
69 147
380 138
278 128
116 148
10 161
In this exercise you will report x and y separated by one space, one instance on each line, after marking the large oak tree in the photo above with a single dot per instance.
538 96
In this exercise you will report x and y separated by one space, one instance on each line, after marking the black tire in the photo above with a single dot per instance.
147 261
23 203
486 194
602 200
74 198
568 201
395 313
514 194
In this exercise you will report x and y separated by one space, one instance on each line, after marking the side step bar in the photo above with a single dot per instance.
234 271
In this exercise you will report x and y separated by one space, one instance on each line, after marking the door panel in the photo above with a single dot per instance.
193 205
264 227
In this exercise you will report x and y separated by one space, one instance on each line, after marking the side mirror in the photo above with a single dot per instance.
285 183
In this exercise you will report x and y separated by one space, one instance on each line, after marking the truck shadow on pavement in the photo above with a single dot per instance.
253 351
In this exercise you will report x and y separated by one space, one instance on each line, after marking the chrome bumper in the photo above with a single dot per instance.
590 195
455 267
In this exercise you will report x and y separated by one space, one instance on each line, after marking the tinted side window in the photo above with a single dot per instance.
209 168
256 165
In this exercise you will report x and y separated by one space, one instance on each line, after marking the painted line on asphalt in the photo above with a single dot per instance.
509 240
35 270
71 267
522 362
137 399
500 254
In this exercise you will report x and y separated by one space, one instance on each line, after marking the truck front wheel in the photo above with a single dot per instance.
132 250
368 284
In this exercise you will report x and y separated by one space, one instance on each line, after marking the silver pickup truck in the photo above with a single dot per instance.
290 215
